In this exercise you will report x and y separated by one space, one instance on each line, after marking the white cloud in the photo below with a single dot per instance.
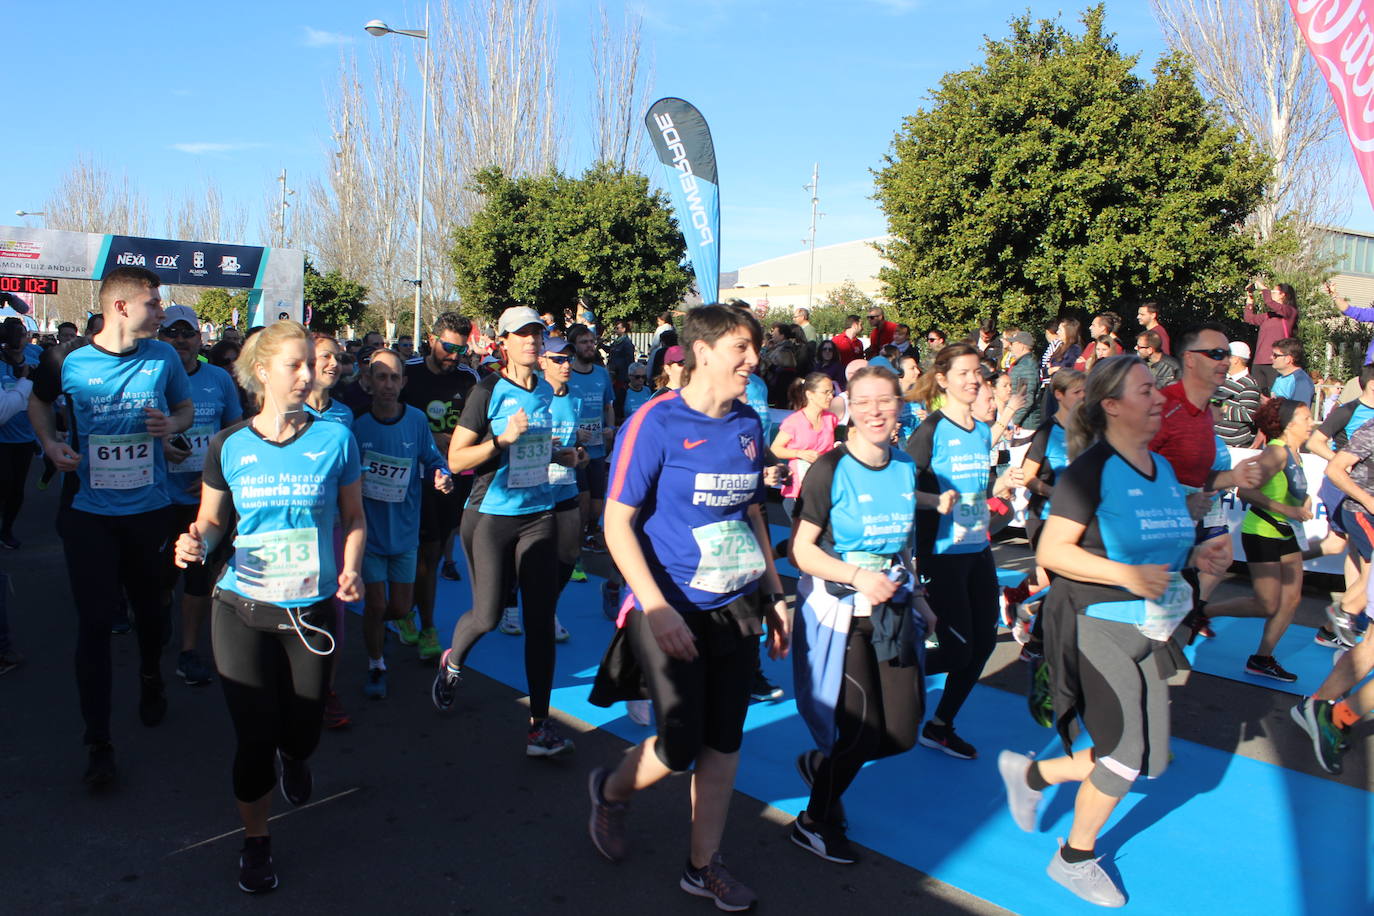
315 38
200 149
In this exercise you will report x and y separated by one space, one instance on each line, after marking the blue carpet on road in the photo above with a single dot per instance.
1217 833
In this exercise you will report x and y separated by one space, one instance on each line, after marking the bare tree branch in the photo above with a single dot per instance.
621 88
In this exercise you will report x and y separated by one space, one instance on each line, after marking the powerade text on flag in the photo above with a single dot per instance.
1340 35
683 143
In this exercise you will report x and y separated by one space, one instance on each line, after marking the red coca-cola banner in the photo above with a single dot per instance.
1340 35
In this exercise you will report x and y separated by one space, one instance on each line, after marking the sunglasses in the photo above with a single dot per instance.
184 333
458 349
640 377
874 317
932 339
1215 354
560 360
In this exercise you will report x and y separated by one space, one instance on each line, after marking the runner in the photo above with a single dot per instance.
1117 598
505 438
806 434
125 392
638 392
1326 717
399 460
327 370
17 439
685 526
438 386
1278 507
591 385
216 400
1046 458
858 643
569 453
952 450
279 481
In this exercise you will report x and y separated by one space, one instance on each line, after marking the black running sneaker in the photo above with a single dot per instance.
445 687
450 572
1268 666
715 881
943 738
296 781
152 700
100 769
256 874
607 822
764 690
825 840
1330 639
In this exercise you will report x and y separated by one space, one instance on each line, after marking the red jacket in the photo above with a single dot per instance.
847 348
882 336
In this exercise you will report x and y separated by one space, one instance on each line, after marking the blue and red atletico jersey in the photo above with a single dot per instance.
693 479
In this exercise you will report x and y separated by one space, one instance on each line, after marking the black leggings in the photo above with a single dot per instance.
876 716
963 595
701 703
15 458
503 550
275 689
109 556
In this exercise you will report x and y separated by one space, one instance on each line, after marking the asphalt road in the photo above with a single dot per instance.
417 812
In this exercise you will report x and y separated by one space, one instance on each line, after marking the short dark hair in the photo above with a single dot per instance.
452 321
1152 307
123 280
709 323
577 331
67 324
851 320
905 327
1111 319
938 332
1366 375
1152 340
1290 346
1190 336
989 326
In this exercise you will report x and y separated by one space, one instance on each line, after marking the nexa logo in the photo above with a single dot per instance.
673 140
129 259
167 260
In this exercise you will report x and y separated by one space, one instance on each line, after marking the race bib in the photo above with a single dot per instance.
277 566
593 430
386 478
970 520
121 462
1216 514
865 560
730 557
199 437
560 475
529 459
1162 617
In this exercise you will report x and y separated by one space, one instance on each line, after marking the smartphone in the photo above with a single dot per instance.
180 441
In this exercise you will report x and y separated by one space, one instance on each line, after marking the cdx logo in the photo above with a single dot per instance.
167 260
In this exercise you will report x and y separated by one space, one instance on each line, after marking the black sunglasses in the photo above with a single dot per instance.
560 360
184 333
1216 354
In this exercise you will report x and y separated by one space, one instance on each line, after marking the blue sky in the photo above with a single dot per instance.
174 93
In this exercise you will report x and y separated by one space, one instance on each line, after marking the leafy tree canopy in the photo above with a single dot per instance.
333 299
546 240
1051 177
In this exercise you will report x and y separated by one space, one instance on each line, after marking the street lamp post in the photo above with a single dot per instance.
377 28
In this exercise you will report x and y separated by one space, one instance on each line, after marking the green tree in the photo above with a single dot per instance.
1052 177
217 306
546 240
333 299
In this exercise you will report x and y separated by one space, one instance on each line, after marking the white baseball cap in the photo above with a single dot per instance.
517 317
1240 348
174 313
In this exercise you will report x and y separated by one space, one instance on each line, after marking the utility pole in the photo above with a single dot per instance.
281 240
814 188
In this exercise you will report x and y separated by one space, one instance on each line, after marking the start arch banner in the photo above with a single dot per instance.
275 277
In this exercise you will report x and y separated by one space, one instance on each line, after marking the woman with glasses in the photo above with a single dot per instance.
860 620
1118 596
637 392
952 450
807 433
828 362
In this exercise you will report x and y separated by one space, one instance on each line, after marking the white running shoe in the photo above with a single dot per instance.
1086 879
560 632
510 622
1022 800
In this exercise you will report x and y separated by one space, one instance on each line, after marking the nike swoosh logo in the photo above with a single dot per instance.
688 444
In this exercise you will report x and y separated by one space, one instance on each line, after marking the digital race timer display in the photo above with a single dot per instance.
32 286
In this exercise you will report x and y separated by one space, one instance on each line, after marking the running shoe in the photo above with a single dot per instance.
764 690
445 687
1087 879
1330 639
610 600
560 632
943 738
100 765
375 686
510 622
716 882
606 826
192 670
578 573
120 626
825 840
256 874
152 700
594 543
1268 666
296 781
429 644
1343 625
1328 739
808 762
9 660
1022 801
334 715
9 541
640 711
406 630
1040 699
449 571
545 741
